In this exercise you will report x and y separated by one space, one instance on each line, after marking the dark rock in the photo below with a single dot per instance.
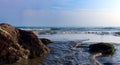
104 48
16 44
117 33
45 41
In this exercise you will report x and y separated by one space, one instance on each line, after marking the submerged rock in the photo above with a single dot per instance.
117 33
104 48
45 41
16 44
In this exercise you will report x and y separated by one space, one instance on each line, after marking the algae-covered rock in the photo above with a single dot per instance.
104 48
16 44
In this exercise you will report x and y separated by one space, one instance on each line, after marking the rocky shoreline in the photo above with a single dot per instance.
25 48
67 53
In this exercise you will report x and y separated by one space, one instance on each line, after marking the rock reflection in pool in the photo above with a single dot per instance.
35 61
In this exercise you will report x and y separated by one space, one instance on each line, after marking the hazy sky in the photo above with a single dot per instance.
60 12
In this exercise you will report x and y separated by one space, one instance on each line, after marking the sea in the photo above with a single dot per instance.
64 37
94 34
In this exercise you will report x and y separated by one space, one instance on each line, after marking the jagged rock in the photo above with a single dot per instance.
104 48
45 41
16 44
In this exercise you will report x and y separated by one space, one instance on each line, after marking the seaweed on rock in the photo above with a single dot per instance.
104 48
100 49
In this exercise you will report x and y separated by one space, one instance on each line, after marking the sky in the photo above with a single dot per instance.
60 13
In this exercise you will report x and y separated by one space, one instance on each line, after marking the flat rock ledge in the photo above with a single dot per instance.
17 44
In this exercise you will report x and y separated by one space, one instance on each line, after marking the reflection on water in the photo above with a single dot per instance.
35 61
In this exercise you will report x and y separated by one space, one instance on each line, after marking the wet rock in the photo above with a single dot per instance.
104 48
16 44
45 41
117 33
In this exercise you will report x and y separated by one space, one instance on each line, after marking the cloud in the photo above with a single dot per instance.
78 17
41 17
61 12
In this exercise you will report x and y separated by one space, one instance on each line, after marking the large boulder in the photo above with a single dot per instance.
16 44
104 48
